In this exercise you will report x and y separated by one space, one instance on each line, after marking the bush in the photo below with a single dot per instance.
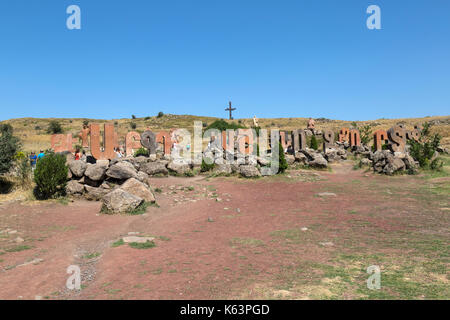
365 133
133 125
24 172
423 150
9 145
283 165
85 123
206 167
222 125
160 114
313 144
51 176
54 127
133 116
141 152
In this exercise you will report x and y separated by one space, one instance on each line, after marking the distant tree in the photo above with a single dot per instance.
160 114
9 145
222 125
365 134
314 144
54 127
283 165
425 149
133 116
6 128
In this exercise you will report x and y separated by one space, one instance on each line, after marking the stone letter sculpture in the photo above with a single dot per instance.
354 138
397 138
84 136
108 142
132 142
286 140
328 139
245 141
148 140
255 121
298 140
311 124
379 138
165 138
62 142
344 135
413 134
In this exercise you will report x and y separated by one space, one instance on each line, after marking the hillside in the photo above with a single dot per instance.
33 131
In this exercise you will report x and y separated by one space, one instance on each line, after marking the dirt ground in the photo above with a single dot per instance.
301 235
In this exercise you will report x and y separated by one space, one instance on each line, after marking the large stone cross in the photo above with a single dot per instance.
231 110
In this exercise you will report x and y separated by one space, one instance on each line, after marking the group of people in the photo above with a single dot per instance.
119 153
35 158
80 155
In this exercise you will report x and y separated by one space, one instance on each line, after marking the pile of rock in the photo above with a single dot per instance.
389 162
119 184
123 184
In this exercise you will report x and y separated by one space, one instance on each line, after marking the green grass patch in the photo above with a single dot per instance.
91 255
145 245
118 243
246 242
19 248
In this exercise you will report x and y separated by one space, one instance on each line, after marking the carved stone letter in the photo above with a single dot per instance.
298 140
148 140
108 142
132 142
328 139
354 138
344 135
379 138
397 138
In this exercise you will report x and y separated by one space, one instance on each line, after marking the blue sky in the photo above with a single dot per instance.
285 58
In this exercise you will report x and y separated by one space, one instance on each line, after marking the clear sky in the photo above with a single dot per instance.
272 58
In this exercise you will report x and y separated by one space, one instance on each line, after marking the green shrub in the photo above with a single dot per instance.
50 176
424 149
142 152
283 165
133 116
9 145
222 125
133 125
24 171
313 144
85 123
54 127
207 167
160 114
146 245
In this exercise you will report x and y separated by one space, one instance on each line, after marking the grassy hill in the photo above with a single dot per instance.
34 136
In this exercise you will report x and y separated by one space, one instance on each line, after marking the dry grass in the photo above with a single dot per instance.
32 131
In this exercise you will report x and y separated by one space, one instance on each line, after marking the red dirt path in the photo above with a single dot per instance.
229 257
